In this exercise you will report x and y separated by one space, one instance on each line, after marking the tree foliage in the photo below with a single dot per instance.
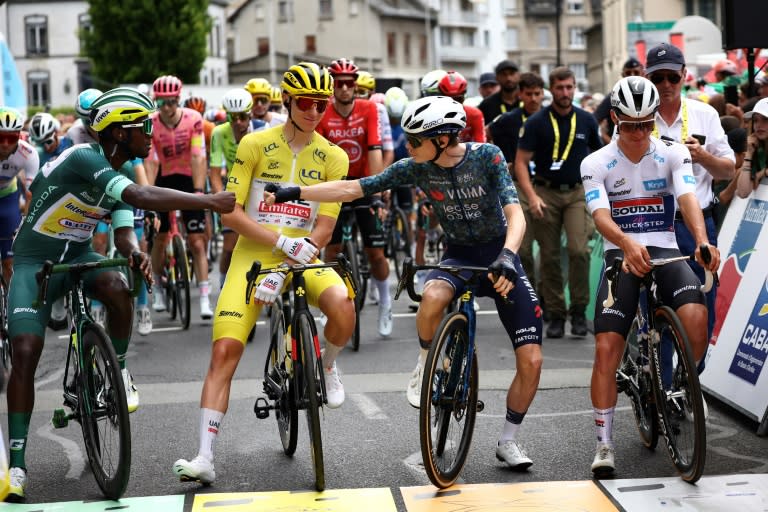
135 41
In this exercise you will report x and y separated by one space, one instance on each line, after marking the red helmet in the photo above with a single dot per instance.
195 103
453 84
167 86
343 67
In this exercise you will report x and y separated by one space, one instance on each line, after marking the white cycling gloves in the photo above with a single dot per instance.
298 249
270 287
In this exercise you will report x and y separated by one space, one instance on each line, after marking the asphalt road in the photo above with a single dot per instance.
372 440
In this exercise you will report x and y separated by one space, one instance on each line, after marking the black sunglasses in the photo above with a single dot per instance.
414 141
673 78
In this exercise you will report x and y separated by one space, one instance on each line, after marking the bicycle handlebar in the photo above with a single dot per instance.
342 263
49 268
409 269
613 273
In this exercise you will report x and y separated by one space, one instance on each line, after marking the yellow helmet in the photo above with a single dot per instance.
259 86
276 98
307 78
11 120
366 81
120 105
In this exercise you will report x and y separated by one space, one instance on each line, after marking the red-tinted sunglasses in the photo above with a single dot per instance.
305 103
9 138
350 83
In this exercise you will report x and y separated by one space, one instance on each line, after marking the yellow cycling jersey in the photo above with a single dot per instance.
265 157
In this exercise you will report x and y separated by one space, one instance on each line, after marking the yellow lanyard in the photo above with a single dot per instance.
684 129
571 137
503 108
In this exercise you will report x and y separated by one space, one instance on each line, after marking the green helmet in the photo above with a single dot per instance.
120 105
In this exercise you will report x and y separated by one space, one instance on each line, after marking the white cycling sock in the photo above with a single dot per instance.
203 287
604 425
330 353
210 425
383 287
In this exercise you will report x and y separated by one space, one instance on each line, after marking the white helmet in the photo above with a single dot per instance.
430 81
395 100
237 100
42 127
635 96
434 115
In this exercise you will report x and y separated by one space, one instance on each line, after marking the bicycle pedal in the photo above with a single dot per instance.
60 418
480 406
261 408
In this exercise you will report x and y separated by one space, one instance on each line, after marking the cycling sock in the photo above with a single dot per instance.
210 424
203 287
604 425
383 287
121 347
330 353
18 429
142 298
511 425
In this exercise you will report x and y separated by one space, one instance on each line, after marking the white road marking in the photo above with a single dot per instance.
55 376
368 407
71 450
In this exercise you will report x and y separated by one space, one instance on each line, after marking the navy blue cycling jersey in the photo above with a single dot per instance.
468 198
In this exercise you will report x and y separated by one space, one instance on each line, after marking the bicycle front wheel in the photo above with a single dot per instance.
678 399
634 379
182 280
104 413
5 342
448 402
312 373
279 372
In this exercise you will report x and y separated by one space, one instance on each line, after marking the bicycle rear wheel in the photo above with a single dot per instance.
5 342
351 252
279 372
448 402
680 406
399 239
182 280
104 413
634 379
312 370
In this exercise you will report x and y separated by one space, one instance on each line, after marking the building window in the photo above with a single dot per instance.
407 48
706 8
542 37
579 70
391 47
486 38
37 34
39 87
576 37
326 10
258 11
310 44
512 38
85 26
214 39
423 50
467 37
263 46
466 5
354 7
446 36
575 7
285 10
510 7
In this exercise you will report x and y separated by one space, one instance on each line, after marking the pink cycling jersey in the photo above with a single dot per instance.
173 147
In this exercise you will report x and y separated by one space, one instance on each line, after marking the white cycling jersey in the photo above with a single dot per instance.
385 129
25 159
79 134
642 197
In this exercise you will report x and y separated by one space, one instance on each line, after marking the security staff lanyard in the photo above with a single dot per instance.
556 164
684 129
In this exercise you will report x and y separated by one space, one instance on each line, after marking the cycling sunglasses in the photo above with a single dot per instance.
635 126
414 141
305 103
171 102
350 83
239 116
146 126
9 138
261 100
673 78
